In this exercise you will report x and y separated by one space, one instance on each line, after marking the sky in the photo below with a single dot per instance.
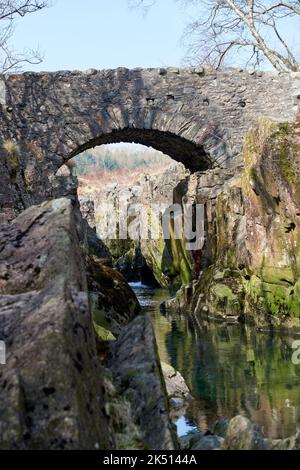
82 34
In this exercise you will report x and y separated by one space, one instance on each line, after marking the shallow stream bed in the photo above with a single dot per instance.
230 370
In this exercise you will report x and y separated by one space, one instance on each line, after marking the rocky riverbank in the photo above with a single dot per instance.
248 268
54 391
250 260
237 434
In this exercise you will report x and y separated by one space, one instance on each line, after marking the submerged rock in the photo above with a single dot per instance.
196 440
243 435
177 389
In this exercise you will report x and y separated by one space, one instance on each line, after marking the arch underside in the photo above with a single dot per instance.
180 149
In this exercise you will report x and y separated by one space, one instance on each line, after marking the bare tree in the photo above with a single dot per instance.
251 29
10 11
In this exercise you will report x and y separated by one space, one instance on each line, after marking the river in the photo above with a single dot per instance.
230 370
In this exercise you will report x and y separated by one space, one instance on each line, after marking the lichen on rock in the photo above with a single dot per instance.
251 258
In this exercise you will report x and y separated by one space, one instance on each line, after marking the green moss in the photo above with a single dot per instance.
12 158
224 299
277 275
98 314
222 291
103 334
274 299
283 146
178 265
252 174
219 275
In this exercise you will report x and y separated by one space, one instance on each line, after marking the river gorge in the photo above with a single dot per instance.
135 343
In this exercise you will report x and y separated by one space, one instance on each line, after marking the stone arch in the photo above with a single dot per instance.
52 116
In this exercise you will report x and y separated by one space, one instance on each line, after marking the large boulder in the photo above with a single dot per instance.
113 302
243 435
51 393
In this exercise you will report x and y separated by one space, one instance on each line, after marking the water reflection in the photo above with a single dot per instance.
230 370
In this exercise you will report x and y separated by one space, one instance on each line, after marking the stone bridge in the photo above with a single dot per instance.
197 116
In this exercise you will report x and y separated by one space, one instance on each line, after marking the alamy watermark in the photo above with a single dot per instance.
2 353
296 353
125 220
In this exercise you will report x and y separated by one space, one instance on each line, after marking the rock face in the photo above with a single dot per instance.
248 268
165 262
135 363
54 392
51 388
113 302
250 260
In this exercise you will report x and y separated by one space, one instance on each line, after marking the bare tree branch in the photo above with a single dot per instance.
253 28
10 10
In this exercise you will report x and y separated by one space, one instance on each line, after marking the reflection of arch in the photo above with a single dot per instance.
180 149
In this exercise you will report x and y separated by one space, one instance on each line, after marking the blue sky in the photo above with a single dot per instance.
82 34
79 34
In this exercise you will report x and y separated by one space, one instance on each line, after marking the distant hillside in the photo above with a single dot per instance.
117 157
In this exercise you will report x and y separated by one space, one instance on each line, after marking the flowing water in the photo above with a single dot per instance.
230 370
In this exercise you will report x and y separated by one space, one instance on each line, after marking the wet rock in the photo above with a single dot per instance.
196 440
51 387
249 265
220 427
177 389
243 435
209 442
135 363
113 302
